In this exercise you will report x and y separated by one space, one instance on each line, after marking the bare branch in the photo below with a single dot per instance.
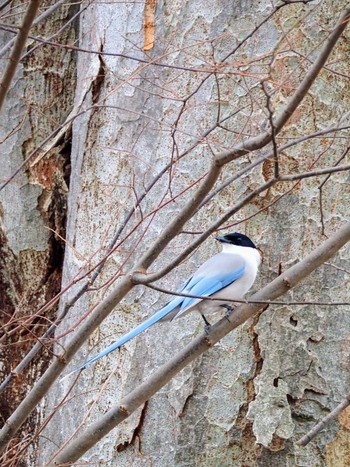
272 127
314 173
265 302
64 27
262 159
139 277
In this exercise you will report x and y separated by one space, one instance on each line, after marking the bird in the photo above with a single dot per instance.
226 276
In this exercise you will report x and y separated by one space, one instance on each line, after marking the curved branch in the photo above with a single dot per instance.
139 277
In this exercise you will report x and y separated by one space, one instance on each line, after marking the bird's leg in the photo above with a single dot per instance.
229 309
207 324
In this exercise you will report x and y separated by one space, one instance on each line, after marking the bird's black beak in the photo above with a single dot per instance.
222 239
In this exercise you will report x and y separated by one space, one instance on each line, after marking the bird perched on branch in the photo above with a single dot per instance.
226 276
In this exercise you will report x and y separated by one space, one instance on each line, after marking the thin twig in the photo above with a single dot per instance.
64 27
247 301
314 173
272 128
327 419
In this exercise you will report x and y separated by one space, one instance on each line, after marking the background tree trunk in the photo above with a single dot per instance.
31 255
250 397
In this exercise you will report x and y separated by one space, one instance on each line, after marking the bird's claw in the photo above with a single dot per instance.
207 325
229 309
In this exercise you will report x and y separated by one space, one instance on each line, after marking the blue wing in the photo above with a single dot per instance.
205 286
215 274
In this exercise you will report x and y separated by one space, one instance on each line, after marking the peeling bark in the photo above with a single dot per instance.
33 210
248 399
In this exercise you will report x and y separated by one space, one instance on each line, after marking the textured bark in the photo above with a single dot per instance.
252 395
267 382
31 256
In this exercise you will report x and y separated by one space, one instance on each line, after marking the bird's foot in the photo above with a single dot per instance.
229 309
207 324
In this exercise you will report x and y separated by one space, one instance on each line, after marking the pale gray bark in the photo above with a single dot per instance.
220 421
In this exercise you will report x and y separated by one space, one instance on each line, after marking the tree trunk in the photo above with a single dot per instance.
163 87
33 205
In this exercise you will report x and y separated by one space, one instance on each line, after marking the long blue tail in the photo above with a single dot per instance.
130 335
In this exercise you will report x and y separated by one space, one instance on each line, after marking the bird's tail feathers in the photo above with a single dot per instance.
158 316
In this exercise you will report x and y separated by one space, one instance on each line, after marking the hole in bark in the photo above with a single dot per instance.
293 321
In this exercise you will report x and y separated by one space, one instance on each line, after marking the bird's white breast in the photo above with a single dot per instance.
239 287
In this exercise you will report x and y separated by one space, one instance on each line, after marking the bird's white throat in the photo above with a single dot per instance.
242 250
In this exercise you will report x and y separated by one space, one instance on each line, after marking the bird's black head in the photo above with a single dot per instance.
236 238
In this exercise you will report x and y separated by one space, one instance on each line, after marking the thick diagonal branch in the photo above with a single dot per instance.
163 375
